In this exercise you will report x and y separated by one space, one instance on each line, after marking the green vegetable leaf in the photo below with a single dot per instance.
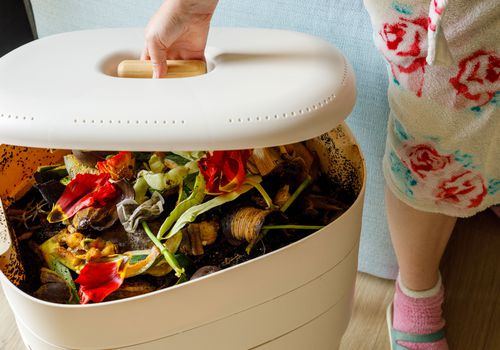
196 197
169 256
191 214
180 156
65 274
47 173
140 188
156 164
177 159
169 180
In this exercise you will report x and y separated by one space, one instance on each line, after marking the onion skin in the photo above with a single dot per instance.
243 224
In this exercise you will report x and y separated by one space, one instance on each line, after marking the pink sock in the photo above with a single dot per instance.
419 313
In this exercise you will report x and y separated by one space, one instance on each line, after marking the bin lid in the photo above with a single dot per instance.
264 88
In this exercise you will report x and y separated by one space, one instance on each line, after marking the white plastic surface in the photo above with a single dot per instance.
250 304
266 87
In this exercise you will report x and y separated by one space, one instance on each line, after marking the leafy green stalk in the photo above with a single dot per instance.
288 203
169 257
191 214
297 193
254 241
266 196
195 198
181 195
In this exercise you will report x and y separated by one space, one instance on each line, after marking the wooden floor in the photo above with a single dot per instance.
471 273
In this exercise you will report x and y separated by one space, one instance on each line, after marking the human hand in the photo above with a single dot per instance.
178 30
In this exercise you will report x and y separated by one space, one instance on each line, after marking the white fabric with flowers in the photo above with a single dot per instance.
444 127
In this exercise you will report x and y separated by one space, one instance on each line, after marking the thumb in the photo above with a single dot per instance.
158 56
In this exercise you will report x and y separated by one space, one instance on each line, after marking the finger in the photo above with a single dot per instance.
145 53
158 56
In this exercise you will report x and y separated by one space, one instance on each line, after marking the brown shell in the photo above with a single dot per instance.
243 224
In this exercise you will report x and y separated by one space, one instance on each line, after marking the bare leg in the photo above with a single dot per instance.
419 239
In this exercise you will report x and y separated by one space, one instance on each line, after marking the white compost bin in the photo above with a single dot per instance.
263 88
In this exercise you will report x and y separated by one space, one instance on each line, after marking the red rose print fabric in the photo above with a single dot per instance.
466 188
434 180
477 80
442 176
443 60
405 51
423 159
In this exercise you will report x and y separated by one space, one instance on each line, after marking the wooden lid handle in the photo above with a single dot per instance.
176 68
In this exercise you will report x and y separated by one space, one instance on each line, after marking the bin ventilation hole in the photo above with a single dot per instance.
267 117
111 121
257 119
230 120
285 115
239 119
249 119
292 114
276 116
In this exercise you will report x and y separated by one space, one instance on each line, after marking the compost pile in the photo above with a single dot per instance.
107 225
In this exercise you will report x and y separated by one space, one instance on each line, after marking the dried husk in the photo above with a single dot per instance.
244 224
197 235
